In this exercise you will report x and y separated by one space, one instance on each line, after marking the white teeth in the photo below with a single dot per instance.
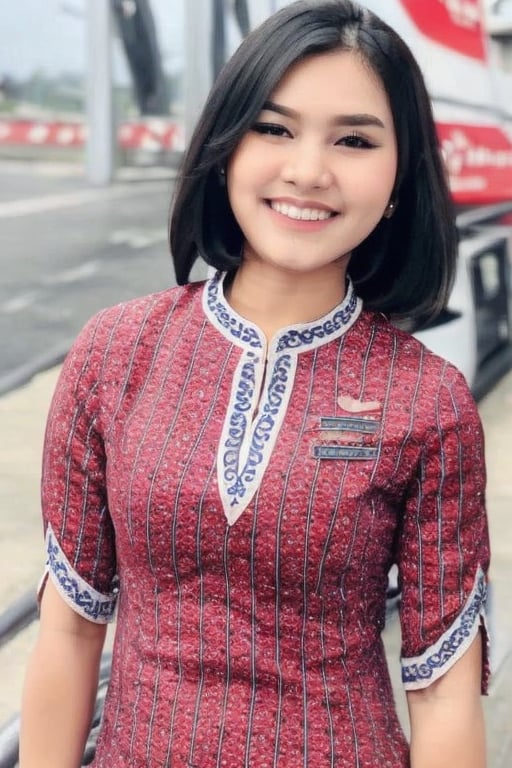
300 214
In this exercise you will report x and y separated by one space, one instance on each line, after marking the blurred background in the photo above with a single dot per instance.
97 101
45 63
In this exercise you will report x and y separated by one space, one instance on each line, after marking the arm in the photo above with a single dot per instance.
60 686
443 558
447 727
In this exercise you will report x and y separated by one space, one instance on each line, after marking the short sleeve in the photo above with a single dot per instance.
443 547
80 542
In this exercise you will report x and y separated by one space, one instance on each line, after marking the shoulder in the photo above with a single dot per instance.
406 351
151 310
435 386
115 328
116 334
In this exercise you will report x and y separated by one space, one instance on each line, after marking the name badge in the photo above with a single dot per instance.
362 453
349 424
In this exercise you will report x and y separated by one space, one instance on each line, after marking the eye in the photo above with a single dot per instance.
271 129
355 141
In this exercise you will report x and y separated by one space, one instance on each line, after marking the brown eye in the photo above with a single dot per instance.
355 141
270 129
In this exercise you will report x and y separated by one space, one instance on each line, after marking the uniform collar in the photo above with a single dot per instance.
293 338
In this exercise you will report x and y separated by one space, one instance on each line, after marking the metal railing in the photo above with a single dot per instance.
18 616
10 743
473 217
13 620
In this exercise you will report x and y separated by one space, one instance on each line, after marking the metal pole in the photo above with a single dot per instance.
18 615
198 72
10 743
218 37
100 113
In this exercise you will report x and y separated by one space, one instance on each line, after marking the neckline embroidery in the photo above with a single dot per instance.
300 337
261 388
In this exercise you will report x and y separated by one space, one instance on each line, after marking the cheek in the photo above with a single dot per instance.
239 180
236 189
374 185
248 174
252 167
389 172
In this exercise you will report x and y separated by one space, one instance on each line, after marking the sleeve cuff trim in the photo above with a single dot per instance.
420 671
76 592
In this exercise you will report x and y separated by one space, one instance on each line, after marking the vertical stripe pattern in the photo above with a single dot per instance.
253 638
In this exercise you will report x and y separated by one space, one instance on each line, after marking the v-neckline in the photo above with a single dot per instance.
258 403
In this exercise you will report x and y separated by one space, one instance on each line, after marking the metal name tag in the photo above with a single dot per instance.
344 452
349 424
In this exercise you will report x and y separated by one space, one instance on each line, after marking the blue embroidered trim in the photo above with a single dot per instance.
435 660
297 337
87 601
248 436
334 323
233 324
238 479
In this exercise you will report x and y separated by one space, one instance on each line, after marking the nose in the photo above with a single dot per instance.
306 166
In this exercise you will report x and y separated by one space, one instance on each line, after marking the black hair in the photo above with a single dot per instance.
406 266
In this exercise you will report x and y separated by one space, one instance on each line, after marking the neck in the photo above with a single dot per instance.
272 298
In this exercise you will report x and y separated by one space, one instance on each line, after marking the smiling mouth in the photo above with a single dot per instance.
300 214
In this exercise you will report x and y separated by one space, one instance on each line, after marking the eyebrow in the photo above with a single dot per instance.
357 119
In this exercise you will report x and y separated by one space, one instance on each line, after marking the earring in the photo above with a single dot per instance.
390 210
222 177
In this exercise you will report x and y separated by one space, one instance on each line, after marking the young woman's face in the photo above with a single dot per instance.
315 174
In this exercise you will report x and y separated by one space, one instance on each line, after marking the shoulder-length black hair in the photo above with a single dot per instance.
406 266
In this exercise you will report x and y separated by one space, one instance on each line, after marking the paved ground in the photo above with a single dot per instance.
68 250
22 415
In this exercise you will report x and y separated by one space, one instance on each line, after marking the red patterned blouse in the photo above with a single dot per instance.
243 503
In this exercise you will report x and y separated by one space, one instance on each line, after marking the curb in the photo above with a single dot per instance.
24 373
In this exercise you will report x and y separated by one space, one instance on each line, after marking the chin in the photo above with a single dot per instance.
295 267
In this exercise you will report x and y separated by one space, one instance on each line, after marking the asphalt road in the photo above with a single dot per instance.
68 250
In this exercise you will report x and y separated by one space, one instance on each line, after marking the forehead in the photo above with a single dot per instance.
342 79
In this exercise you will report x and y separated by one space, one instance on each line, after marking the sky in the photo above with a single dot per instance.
49 35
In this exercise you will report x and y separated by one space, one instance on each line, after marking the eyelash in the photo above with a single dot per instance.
353 140
270 129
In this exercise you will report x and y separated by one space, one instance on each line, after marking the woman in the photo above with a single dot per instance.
238 463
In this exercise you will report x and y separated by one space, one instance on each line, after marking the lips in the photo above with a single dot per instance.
301 213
